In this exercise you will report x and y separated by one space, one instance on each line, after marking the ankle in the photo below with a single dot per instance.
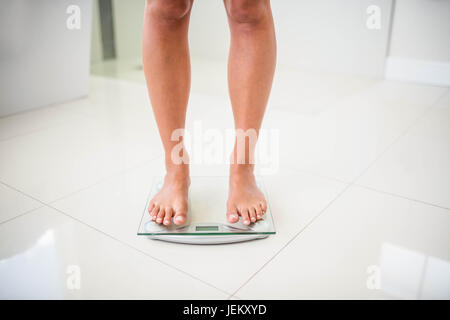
177 168
242 160
177 171
244 170
179 165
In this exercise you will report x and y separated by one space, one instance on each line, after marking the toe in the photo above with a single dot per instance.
154 212
168 216
232 215
161 215
252 214
150 207
180 217
263 205
259 212
245 217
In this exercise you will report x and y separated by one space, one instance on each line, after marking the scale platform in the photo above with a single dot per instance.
206 221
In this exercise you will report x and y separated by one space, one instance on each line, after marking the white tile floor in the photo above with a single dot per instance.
361 193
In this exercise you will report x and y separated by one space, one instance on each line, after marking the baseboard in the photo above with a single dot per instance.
421 71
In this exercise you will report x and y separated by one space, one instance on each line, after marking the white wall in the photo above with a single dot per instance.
208 31
329 35
421 30
41 61
128 22
420 46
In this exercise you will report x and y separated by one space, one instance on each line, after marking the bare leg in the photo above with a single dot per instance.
251 66
167 72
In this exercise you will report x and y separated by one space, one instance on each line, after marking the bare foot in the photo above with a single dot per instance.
244 197
172 199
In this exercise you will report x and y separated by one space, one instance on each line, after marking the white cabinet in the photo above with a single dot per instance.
44 52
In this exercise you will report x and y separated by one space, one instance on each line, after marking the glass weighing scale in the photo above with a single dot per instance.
206 221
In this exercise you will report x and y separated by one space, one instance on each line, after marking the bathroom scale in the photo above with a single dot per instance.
206 221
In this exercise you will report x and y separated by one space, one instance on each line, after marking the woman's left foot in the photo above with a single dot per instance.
244 197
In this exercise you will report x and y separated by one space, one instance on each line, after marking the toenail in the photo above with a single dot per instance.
246 222
253 219
166 221
159 219
233 216
179 218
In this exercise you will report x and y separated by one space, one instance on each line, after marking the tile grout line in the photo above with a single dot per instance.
413 124
107 235
353 182
293 238
50 126
402 134
51 106
371 188
27 133
137 250
46 128
314 174
114 175
401 197
21 214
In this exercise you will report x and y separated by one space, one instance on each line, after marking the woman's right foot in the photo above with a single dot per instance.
171 201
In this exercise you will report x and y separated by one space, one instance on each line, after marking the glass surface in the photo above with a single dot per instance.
207 212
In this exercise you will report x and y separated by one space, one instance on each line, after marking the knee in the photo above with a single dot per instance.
247 11
168 9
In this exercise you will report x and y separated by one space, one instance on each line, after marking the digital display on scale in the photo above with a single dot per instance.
207 228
